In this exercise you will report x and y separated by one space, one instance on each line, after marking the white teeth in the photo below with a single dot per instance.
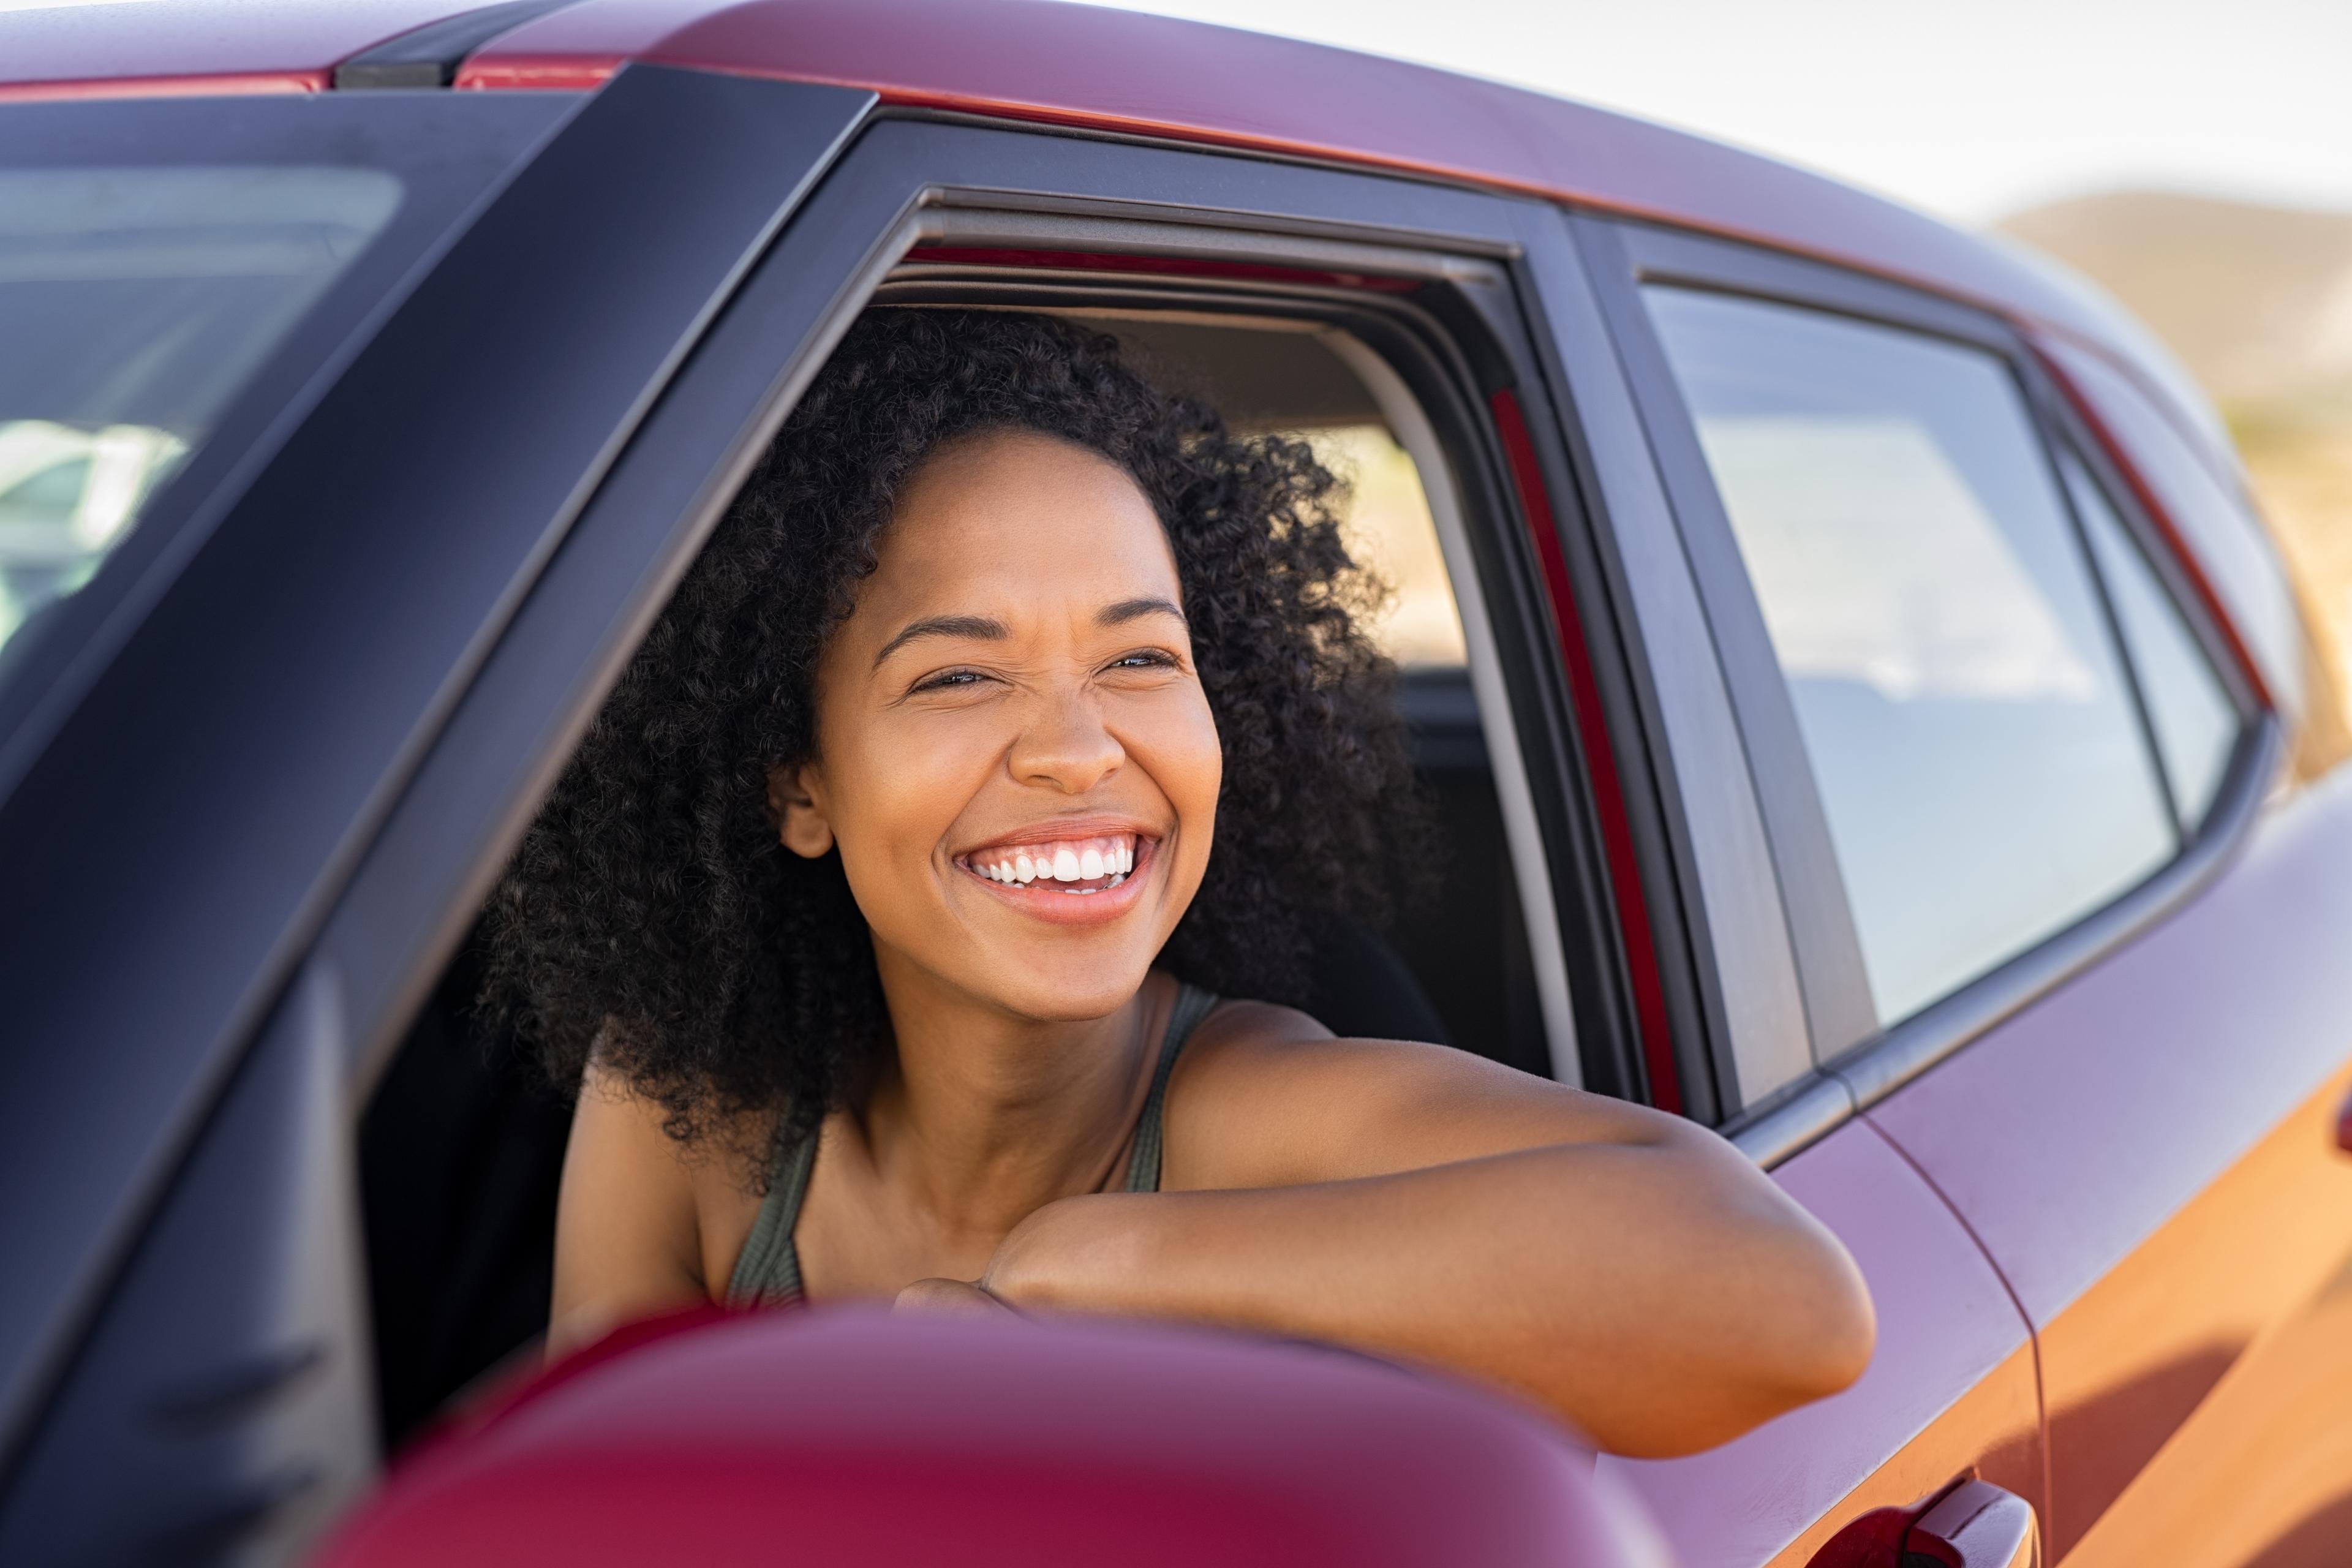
1110 857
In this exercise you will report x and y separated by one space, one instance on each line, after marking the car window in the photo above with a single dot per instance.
1389 529
2187 708
133 304
1974 741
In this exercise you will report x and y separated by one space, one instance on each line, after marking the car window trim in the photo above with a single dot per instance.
1851 1077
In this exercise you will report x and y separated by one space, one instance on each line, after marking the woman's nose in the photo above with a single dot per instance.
1066 746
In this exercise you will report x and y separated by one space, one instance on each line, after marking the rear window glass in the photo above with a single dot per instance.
2195 723
1975 740
134 303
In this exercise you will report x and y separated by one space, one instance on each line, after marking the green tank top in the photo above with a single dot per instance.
768 1271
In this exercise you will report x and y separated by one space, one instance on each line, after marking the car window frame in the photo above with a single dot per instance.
1857 1060
203 756
915 177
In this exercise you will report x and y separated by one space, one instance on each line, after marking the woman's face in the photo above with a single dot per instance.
1014 754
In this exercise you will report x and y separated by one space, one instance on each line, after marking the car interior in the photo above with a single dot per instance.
461 1144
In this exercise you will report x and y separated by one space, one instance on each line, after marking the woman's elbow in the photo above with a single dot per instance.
1819 1341
1805 1331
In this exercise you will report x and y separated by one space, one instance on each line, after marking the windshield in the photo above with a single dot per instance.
133 304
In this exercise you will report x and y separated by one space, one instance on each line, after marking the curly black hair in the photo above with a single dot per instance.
652 918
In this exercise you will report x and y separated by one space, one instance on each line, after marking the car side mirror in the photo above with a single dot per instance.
844 1436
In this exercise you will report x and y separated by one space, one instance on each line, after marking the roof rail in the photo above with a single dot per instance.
429 55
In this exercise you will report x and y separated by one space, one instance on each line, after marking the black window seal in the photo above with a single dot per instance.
1857 1070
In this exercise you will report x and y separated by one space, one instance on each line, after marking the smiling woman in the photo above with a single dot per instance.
1018 713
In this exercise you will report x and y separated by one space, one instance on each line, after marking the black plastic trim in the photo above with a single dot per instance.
454 156
430 56
176 846
1839 1008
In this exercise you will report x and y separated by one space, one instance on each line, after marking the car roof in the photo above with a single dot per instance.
1106 70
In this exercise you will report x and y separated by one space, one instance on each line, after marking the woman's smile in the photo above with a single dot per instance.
1067 876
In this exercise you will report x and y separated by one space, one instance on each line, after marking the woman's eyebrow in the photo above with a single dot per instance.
977 626
1135 609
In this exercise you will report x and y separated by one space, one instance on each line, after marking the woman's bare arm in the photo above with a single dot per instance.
626 1239
1631 1270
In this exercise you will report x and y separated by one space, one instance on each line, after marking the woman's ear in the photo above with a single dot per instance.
801 821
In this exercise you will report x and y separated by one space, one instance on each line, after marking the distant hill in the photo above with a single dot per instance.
2257 299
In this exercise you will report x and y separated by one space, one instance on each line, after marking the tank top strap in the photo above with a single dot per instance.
768 1270
1192 1004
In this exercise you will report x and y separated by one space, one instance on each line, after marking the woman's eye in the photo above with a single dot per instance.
949 680
1144 659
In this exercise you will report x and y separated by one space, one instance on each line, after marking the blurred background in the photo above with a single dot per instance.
2194 159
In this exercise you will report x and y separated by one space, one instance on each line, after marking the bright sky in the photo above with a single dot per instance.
1968 108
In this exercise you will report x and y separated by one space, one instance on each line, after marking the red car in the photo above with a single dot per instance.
1868 717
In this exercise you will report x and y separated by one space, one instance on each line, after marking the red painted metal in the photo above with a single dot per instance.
1168 265
1114 71
1974 1525
182 48
227 85
1949 1390
526 1385
847 1436
1608 791
2138 1152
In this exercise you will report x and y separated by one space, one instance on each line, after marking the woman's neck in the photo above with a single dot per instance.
979 1118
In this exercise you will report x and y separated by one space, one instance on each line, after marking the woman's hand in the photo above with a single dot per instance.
950 1298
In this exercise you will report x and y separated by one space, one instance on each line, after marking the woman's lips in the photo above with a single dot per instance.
1069 881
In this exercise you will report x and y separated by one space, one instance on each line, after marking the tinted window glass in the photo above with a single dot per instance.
1975 744
133 304
2194 722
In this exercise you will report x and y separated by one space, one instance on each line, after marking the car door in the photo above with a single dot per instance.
1480 308
181 1352
1420 282
2029 903
2184 1097
1951 1391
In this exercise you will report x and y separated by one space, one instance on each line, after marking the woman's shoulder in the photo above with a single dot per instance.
1265 1095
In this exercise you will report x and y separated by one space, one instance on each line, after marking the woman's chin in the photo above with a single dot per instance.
1052 994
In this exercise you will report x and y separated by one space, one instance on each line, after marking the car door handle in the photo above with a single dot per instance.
1974 1525
2344 1125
